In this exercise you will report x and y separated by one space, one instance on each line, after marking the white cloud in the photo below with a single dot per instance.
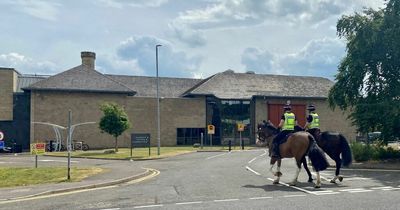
45 10
107 64
318 58
27 65
142 50
189 25
135 3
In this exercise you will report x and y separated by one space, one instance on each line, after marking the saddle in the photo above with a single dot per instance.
285 139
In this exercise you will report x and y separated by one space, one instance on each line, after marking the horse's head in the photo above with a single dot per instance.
265 131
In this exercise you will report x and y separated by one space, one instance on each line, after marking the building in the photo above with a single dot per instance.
187 105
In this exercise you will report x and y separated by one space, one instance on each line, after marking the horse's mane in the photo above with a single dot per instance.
270 126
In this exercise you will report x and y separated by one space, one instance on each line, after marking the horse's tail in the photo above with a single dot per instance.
346 151
316 155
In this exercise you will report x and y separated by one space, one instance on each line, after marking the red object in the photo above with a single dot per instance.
275 112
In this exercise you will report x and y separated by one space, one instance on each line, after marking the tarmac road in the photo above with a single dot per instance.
237 180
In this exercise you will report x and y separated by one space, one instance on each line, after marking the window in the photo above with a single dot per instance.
189 136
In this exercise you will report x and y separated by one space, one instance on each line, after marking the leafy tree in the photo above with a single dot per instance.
368 81
114 122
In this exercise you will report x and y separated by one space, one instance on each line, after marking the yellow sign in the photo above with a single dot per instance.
211 129
240 127
38 148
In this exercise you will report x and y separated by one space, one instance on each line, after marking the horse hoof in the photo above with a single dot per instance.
310 180
317 186
333 181
340 178
292 184
276 182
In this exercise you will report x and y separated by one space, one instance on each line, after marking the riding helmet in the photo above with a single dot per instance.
311 107
287 107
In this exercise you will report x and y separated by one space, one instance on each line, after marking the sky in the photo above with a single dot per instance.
199 38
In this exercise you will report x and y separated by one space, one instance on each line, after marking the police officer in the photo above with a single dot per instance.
312 124
287 124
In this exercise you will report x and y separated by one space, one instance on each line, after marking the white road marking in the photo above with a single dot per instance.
215 156
149 206
298 188
380 188
356 190
322 177
255 172
226 200
61 161
252 160
188 203
259 198
111 209
357 178
328 193
365 169
398 188
290 196
265 153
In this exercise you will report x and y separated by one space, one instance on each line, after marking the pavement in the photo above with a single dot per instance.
116 172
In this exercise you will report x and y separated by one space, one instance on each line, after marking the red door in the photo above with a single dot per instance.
275 112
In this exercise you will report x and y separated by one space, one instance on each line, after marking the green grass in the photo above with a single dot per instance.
140 153
22 176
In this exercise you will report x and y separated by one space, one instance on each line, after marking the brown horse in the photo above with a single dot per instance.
334 145
297 145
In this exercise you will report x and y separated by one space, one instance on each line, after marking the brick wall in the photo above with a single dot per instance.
53 107
8 82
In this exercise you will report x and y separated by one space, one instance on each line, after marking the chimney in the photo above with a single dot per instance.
88 59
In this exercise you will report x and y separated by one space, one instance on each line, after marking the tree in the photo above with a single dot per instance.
368 81
114 122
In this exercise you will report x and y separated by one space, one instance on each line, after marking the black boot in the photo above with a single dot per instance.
275 151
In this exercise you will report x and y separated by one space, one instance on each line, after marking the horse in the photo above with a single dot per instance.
297 145
334 145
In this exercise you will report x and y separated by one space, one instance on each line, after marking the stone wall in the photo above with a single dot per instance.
8 83
52 107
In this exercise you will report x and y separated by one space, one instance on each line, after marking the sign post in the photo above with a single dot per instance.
240 127
1 140
211 131
140 140
38 149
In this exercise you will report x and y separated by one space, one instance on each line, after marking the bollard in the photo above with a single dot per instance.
242 144
230 145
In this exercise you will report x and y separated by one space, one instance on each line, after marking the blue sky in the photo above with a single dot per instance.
199 37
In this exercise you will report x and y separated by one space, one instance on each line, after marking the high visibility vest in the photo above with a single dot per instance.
289 121
315 120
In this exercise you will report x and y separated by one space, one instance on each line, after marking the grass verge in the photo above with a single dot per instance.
22 176
140 153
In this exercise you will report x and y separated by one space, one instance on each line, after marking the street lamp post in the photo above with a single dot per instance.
158 104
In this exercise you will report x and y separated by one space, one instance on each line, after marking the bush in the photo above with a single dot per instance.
361 152
364 152
196 145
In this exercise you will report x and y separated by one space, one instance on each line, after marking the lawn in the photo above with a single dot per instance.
22 176
140 153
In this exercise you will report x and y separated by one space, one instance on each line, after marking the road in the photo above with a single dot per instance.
237 180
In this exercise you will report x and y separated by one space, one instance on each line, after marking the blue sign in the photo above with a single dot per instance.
1 144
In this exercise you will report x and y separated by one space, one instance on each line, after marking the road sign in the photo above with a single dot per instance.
38 148
240 127
211 129
1 136
140 139
1 144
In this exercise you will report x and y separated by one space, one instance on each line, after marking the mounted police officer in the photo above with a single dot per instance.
287 124
312 124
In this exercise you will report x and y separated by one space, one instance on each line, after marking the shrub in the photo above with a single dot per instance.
361 152
364 152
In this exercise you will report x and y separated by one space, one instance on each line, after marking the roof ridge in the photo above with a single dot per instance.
199 84
119 75
112 80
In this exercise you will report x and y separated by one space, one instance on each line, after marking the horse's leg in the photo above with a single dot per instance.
318 184
304 161
298 164
277 173
338 162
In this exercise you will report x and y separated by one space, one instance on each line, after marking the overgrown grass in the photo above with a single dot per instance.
365 152
140 153
11 177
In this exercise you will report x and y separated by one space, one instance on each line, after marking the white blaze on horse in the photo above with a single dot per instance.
297 146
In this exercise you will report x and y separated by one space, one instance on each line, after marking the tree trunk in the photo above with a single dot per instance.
116 144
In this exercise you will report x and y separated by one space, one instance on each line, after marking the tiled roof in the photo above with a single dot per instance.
81 79
27 80
147 86
230 85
